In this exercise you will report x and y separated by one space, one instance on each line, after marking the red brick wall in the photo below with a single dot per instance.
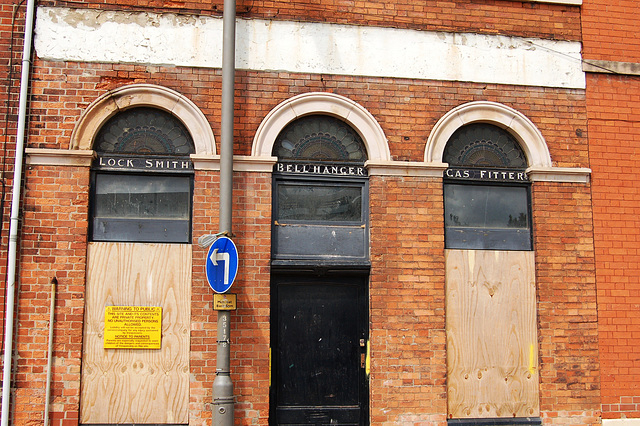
10 56
567 312
609 29
406 109
53 243
407 294
250 323
614 129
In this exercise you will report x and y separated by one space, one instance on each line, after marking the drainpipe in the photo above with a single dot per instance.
15 212
223 401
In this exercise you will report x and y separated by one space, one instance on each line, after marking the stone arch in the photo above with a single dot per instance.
138 95
526 133
321 103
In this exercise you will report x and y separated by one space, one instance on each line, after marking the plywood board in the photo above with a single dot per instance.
137 385
492 348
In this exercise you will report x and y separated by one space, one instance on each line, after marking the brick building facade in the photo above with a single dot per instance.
538 332
611 65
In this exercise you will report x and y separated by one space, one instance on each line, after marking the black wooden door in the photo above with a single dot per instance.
319 342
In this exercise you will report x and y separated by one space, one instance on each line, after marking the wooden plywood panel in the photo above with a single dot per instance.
492 348
137 385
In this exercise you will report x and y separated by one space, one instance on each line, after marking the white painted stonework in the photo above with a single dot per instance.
621 422
87 35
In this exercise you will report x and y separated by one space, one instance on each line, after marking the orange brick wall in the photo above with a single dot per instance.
567 312
407 292
614 113
608 30
52 244
614 131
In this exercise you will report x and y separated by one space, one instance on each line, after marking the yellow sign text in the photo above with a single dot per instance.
132 327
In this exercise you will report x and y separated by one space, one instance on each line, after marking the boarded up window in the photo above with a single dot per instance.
137 385
492 347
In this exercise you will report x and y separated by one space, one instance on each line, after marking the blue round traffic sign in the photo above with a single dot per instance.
222 264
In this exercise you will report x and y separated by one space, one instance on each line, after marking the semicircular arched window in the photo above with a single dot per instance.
144 131
486 190
484 145
142 178
319 138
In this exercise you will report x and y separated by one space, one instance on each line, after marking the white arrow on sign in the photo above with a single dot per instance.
215 256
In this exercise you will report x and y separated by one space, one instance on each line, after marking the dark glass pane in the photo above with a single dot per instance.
320 138
334 203
484 145
143 197
483 206
144 131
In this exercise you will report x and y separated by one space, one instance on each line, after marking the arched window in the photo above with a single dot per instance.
142 178
486 190
319 138
320 192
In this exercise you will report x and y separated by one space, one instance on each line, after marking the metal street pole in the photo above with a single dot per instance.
223 400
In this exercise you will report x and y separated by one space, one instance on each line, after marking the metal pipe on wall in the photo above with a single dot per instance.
52 311
15 212
223 400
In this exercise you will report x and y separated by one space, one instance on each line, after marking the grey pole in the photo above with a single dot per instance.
223 400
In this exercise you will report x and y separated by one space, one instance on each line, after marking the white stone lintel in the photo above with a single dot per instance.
620 422
241 163
559 174
405 168
59 157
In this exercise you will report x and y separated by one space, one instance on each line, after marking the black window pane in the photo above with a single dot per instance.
330 203
486 217
479 206
133 196
141 208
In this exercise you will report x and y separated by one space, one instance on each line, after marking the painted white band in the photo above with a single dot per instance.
88 35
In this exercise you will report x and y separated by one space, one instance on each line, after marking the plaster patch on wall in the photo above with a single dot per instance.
620 422
128 37
168 39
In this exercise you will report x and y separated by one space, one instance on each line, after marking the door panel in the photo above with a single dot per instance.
320 332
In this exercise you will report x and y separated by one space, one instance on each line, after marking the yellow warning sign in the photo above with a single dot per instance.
132 327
